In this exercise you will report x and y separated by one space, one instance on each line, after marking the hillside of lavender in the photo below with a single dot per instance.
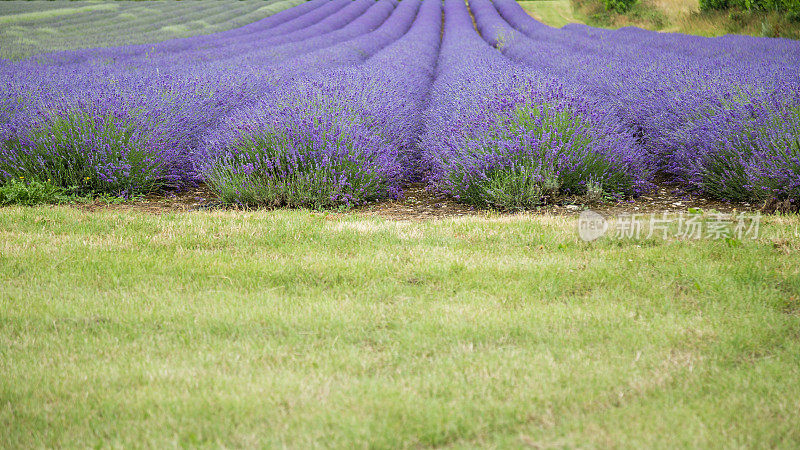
335 103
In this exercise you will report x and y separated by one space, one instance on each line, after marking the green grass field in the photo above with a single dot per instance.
300 329
32 27
555 13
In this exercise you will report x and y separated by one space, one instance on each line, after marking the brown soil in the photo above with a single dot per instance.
193 199
419 204
776 206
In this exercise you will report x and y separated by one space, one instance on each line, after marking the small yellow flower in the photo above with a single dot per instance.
21 178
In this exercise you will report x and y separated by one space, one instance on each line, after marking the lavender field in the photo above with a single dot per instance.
393 224
336 103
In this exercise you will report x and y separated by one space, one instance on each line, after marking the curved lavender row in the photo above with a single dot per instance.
730 132
458 90
358 49
504 136
253 48
276 24
251 78
730 48
262 72
402 75
334 21
376 14
337 137
112 117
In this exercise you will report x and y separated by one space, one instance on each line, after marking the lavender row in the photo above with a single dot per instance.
326 18
719 116
340 136
108 128
505 136
277 24
262 49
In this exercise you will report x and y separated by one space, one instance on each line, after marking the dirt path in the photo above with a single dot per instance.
419 204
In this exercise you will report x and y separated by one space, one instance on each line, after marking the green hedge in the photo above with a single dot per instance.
788 6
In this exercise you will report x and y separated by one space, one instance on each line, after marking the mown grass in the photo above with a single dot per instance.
555 13
302 329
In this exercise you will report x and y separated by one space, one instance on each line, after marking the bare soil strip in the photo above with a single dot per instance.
419 204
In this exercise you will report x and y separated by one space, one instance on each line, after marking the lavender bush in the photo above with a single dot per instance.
701 108
340 137
506 136
742 151
128 138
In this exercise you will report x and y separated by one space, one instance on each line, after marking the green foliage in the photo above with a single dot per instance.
709 5
791 7
20 192
30 193
620 6
654 16
738 18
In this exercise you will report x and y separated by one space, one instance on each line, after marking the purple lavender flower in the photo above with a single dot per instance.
340 136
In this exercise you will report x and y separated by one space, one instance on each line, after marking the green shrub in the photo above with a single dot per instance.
654 16
619 5
20 192
711 5
791 7
738 18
